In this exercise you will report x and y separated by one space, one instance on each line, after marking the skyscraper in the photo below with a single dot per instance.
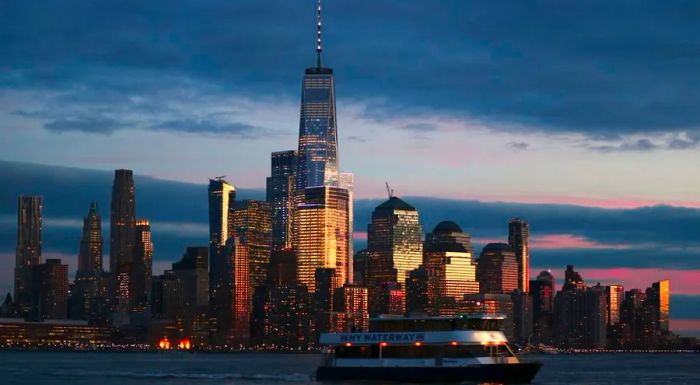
542 291
659 300
88 279
221 197
614 295
452 272
251 221
90 256
394 246
143 263
50 290
122 222
346 180
318 138
497 270
280 194
518 234
28 252
321 239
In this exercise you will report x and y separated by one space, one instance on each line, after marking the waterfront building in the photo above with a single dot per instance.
659 296
49 290
542 292
322 236
221 197
280 195
192 270
452 272
142 267
19 334
360 263
417 292
580 313
239 292
283 268
518 237
614 295
350 309
122 230
28 251
251 222
90 255
497 269
281 316
394 247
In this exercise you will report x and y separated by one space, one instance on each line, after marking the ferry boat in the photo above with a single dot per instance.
426 349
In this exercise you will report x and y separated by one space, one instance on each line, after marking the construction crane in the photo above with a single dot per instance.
220 177
389 190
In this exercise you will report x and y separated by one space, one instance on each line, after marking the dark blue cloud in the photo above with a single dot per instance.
599 68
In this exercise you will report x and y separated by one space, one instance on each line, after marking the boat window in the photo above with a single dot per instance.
354 352
408 352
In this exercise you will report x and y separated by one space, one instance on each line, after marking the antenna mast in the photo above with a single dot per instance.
389 190
319 47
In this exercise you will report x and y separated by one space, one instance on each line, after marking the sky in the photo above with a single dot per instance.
583 118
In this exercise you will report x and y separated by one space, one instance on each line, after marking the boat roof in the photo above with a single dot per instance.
412 338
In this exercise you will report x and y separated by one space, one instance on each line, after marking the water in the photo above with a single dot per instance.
38 368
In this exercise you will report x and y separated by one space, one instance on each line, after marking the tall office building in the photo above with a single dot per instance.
542 291
614 295
221 197
50 290
346 180
238 297
321 239
417 292
88 278
280 195
518 234
452 272
122 222
143 263
28 252
251 221
350 312
90 255
318 138
394 246
659 300
497 270
192 270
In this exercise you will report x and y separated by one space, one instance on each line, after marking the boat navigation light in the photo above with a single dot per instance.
453 343
418 343
348 344
383 344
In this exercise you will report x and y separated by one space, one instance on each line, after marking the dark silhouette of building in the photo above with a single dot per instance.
28 252
88 284
123 235
394 247
580 313
417 292
142 264
50 290
497 269
360 267
542 292
518 236
280 195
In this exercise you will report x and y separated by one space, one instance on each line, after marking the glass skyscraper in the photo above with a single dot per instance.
280 194
28 253
497 270
122 222
518 235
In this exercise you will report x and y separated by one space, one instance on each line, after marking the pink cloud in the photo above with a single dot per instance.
359 235
685 324
682 281
570 241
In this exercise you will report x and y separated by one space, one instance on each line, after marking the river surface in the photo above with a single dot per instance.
65 368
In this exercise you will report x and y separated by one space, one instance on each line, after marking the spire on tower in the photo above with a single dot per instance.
319 48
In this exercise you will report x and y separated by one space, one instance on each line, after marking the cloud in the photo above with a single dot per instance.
209 127
419 127
448 59
518 145
90 125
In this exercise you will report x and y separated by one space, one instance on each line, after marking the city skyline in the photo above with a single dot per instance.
435 140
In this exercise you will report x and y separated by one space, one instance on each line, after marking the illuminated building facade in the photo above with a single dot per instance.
49 290
221 197
17 333
659 300
497 270
28 252
394 247
281 316
452 272
280 195
346 180
614 295
322 236
350 309
251 222
122 230
518 237
240 292
143 263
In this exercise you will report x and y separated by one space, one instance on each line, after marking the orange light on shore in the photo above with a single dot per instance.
453 343
164 343
185 344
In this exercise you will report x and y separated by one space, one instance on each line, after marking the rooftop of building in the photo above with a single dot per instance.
395 203
446 227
